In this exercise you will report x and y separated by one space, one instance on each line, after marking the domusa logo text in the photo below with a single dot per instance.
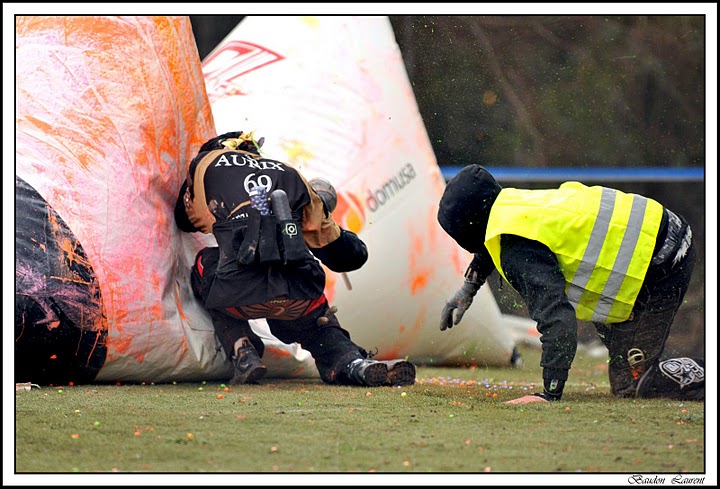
381 196
350 212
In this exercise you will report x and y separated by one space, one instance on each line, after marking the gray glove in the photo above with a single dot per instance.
326 191
460 302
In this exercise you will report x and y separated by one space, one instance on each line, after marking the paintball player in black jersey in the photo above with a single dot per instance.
621 261
270 226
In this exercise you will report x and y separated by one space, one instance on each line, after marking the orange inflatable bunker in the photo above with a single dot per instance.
109 112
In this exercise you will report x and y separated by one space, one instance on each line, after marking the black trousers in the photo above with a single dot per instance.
328 343
636 345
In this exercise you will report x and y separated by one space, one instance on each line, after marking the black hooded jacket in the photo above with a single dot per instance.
530 267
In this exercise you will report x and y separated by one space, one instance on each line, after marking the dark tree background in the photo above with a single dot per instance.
561 91
537 91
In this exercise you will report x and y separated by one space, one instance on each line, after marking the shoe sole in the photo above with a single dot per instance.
401 373
251 377
375 375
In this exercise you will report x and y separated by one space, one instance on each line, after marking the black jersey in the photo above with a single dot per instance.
215 198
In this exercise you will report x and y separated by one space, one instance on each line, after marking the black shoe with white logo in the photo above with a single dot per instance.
248 366
675 378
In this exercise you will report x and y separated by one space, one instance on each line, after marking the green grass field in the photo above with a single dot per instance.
453 420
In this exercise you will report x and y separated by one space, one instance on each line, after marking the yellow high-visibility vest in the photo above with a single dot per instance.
603 239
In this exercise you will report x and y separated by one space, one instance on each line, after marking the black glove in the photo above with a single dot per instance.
460 302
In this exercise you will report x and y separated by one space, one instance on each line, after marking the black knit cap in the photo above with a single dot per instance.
465 206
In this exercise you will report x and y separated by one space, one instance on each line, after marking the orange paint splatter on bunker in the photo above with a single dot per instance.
404 340
420 271
276 352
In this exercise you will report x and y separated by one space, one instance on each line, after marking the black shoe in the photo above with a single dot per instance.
674 378
366 372
248 366
400 372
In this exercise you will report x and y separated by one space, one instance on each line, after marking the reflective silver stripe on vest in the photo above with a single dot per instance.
592 252
622 260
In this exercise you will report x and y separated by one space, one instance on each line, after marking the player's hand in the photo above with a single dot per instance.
527 399
455 308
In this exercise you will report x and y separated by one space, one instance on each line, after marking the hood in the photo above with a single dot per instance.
465 206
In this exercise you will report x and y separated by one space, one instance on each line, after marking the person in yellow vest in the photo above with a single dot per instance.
619 260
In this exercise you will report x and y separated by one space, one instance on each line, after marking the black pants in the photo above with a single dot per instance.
328 343
636 345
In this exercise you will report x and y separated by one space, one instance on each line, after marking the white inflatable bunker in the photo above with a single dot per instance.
331 96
